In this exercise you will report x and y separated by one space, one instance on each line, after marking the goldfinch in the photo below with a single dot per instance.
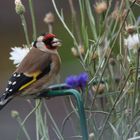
38 69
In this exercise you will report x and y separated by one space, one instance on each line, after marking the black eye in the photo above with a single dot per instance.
48 41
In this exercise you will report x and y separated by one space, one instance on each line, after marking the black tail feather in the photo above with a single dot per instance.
4 100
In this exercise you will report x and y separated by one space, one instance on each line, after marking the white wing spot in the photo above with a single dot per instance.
14 75
10 90
18 75
9 82
14 83
4 102
6 89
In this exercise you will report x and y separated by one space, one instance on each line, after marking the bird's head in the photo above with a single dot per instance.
47 42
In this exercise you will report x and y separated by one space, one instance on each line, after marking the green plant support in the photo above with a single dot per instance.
62 90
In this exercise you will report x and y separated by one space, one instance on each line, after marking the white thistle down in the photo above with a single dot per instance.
132 41
18 2
91 136
17 54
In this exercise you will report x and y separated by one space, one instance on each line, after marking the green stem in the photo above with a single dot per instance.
32 111
23 128
50 27
33 19
80 106
136 83
68 30
37 102
113 45
55 125
113 107
91 19
132 126
64 24
42 125
63 90
23 21
74 18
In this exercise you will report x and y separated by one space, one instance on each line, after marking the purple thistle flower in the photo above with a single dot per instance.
82 79
72 81
77 81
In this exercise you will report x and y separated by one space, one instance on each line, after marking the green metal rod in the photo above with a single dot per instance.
79 101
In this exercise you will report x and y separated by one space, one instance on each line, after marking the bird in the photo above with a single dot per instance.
38 69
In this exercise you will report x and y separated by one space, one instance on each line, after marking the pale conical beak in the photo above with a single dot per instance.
56 42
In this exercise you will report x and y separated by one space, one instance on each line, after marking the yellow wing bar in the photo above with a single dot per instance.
32 81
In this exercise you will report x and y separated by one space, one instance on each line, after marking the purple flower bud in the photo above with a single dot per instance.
82 79
77 81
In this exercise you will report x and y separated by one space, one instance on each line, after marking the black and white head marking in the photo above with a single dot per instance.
47 43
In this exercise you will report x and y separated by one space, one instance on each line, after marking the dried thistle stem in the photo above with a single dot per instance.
33 19
24 24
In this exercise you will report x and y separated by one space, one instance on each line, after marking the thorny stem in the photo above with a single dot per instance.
33 19
23 21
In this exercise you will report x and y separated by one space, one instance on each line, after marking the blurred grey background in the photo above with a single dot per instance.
11 34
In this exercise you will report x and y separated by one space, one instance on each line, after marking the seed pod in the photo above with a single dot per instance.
19 7
101 7
49 18
78 52
14 114
130 29
101 88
